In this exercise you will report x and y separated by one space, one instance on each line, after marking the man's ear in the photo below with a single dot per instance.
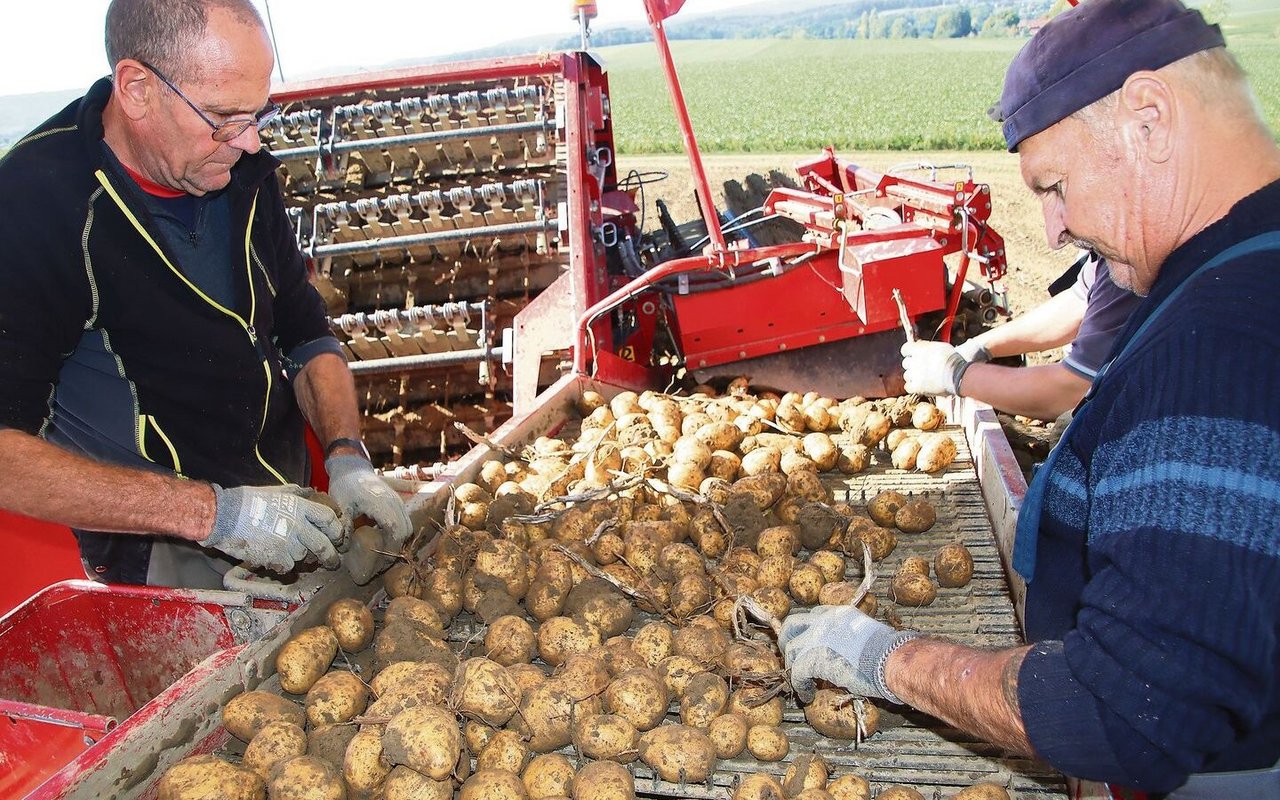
135 88
1147 112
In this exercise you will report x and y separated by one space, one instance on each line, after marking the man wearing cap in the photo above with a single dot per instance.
1088 315
160 343
1150 540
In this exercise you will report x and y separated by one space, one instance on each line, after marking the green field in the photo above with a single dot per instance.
769 95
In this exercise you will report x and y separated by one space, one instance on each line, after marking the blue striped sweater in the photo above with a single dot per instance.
1156 599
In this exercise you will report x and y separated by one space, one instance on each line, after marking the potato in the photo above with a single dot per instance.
677 671
607 737
954 566
329 743
744 702
425 738
640 696
853 459
597 603
493 784
483 691
423 612
794 461
818 524
837 594
444 590
762 460
364 767
352 624
806 584
917 516
807 485
703 640
884 506
775 572
896 437
306 778
937 452
775 601
880 541
768 742
927 417
337 697
406 640
724 465
750 657
691 595
678 753
814 794
505 750
983 791
835 713
758 786
763 489
548 775
899 793
405 784
720 436
276 742
430 679
850 787
504 561
246 714
904 455
728 734
560 637
400 580
808 771
604 780
685 475
587 675
207 777
590 401
913 590
914 565
704 699
545 717
305 657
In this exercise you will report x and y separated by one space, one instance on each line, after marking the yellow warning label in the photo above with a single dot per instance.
627 352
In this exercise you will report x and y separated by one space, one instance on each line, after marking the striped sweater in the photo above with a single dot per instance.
1156 600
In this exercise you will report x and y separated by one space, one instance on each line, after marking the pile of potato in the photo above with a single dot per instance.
673 507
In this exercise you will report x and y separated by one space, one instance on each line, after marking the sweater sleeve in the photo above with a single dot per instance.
301 326
46 300
1172 659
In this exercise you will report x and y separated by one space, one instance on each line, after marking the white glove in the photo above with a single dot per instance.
936 368
274 527
971 350
840 645
355 487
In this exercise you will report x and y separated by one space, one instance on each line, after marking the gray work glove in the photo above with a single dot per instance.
936 368
274 527
840 645
355 486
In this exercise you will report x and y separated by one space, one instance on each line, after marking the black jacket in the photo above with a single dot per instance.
81 256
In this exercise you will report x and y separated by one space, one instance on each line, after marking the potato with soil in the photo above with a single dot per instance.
806 584
483 691
884 506
746 703
329 743
607 737
548 775
654 642
406 640
899 793
853 459
604 780
561 637
728 734
937 452
424 738
423 612
703 640
246 714
913 589
546 717
364 767
758 786
704 699
916 516
493 784
904 455
808 771
954 566
276 742
306 778
426 679
597 603
352 624
207 777
836 714
337 697
678 753
850 787
927 417
505 750
880 541
510 640
764 489
405 784
768 743
818 523
640 696
305 657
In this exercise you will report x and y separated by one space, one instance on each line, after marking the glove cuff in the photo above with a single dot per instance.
224 517
897 640
338 467
957 365
973 351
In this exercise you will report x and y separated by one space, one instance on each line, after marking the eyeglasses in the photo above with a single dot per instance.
222 131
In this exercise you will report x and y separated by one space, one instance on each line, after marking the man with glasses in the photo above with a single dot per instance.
161 344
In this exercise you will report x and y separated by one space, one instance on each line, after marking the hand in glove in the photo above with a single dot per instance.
841 645
274 527
359 490
936 368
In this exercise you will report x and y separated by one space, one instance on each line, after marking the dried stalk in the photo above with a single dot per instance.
477 438
630 591
746 604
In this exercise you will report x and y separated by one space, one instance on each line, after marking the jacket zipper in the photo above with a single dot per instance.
253 302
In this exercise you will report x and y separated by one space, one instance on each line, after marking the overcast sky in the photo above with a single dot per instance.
48 45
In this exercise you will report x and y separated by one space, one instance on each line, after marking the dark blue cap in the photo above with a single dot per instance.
1087 52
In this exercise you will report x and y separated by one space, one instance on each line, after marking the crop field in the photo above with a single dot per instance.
771 95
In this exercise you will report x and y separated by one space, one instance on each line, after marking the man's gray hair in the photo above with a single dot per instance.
161 32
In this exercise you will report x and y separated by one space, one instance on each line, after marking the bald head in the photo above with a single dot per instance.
165 32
